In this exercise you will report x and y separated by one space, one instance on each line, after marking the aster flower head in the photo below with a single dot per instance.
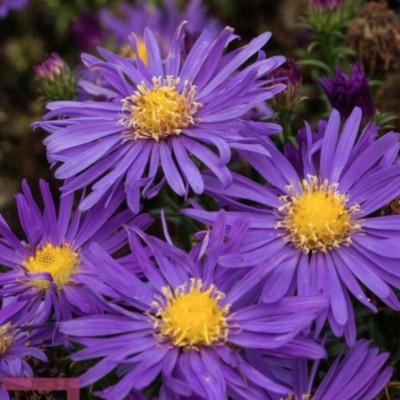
162 20
160 115
187 326
15 346
358 375
43 270
7 5
323 219
346 92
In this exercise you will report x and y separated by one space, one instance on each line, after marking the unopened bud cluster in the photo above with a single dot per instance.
55 80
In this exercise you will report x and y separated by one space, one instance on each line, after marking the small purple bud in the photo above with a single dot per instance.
51 68
288 74
346 92
325 5
54 79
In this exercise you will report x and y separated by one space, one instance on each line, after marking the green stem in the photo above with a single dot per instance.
287 127
285 119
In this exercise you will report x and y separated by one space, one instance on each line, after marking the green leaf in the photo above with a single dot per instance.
315 63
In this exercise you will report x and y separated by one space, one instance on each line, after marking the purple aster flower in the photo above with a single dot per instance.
185 323
163 22
161 115
44 269
87 32
15 346
90 84
294 151
360 375
305 139
346 92
325 5
8 5
136 395
323 219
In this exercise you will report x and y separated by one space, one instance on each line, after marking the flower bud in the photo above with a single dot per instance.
54 79
51 69
346 92
288 74
323 6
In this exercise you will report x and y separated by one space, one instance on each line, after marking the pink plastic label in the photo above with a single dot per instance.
68 385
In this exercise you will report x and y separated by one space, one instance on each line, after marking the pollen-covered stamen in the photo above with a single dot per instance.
191 316
59 262
159 112
317 219
6 338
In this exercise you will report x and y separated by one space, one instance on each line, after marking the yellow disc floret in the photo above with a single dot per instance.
317 219
191 317
6 338
127 51
59 262
159 112
142 52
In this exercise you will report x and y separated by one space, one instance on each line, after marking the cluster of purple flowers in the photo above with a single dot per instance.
245 313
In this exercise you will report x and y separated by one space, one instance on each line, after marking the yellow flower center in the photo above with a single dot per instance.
160 111
191 317
59 262
127 51
317 219
6 338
